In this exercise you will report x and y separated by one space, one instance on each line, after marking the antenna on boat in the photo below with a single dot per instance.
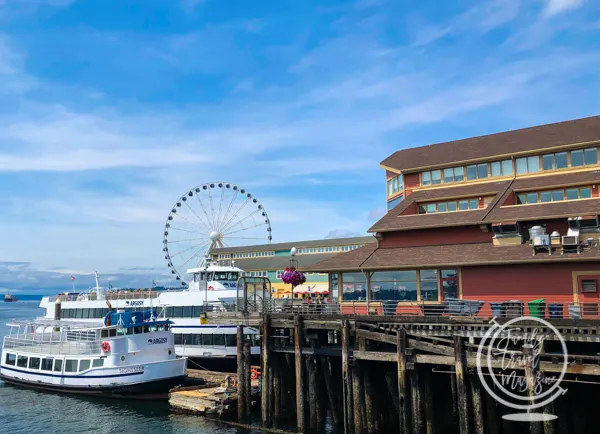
99 292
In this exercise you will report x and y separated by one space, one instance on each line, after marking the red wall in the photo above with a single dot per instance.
552 282
411 180
435 236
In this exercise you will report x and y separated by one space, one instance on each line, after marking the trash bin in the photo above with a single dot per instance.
537 308
574 311
497 309
555 310
472 307
513 308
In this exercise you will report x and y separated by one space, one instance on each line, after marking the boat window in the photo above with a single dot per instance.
98 363
207 340
146 329
84 365
178 339
47 364
22 361
58 365
230 340
219 340
11 359
177 311
196 339
104 333
71 366
187 311
112 333
129 331
138 330
34 363
167 327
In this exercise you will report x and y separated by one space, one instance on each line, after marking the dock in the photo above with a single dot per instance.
217 396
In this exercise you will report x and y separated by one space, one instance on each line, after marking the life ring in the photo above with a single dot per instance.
254 375
105 347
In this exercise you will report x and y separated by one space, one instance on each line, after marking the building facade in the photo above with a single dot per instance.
508 216
269 260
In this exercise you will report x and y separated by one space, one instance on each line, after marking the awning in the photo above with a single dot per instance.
312 288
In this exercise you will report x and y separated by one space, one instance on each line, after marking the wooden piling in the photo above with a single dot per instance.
461 388
347 380
531 373
312 392
247 390
494 423
359 398
418 409
266 397
329 390
370 419
403 400
242 415
429 406
278 398
477 399
298 339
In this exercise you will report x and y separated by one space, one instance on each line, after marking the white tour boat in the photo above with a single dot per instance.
128 354
212 288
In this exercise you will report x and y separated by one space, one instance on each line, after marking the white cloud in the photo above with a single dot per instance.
555 7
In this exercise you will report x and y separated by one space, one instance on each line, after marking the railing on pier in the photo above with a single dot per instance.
547 309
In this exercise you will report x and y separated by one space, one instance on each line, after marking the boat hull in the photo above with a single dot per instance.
158 389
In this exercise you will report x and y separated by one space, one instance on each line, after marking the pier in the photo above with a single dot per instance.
404 373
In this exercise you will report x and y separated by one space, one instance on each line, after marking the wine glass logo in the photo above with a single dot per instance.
510 349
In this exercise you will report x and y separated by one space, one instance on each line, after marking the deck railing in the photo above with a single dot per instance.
547 309
52 348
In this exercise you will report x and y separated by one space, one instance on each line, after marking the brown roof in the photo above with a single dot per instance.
445 256
495 212
393 220
505 143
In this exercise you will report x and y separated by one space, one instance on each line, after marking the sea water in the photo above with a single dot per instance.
28 411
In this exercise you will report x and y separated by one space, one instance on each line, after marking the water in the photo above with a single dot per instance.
32 412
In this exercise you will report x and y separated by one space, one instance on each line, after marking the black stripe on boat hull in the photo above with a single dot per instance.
158 389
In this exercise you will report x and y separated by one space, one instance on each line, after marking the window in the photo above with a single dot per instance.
532 197
34 363
451 206
436 177
548 162
482 171
334 286
577 158
11 359
47 364
219 340
558 195
448 175
429 285
459 174
589 285
98 363
521 166
393 285
426 178
561 160
463 205
572 193
278 274
471 172
545 196
84 365
507 167
354 287
430 207
449 281
58 363
442 207
394 185
533 164
207 340
230 340
70 365
591 156
585 193
22 361
473 204
496 168
554 195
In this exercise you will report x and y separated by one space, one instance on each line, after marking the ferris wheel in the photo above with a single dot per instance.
209 216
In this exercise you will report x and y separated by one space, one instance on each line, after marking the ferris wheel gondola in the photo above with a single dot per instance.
209 216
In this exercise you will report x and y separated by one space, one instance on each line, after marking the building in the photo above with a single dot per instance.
473 219
269 260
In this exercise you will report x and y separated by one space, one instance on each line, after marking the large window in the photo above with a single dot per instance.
335 284
428 280
558 195
11 359
70 365
528 165
22 361
393 285
354 287
449 283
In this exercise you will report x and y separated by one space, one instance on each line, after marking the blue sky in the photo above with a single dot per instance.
109 111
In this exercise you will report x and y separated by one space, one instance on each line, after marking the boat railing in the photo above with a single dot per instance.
49 347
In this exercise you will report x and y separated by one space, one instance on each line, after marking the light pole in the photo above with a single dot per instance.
293 263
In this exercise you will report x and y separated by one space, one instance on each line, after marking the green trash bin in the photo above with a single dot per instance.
537 308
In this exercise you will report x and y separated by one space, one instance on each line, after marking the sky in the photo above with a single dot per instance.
111 110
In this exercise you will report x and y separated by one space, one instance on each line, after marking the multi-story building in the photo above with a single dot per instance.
269 260
507 216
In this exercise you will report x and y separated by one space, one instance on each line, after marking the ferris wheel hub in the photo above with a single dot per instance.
215 236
